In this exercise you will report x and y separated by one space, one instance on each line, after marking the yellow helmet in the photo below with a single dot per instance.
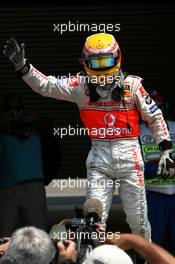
101 56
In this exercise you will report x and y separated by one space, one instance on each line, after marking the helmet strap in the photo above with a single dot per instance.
91 92
118 93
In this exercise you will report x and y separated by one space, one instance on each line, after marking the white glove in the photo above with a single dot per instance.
15 53
166 168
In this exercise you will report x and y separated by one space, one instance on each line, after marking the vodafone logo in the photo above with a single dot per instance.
109 119
73 81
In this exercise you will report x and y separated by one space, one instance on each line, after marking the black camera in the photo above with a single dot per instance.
81 229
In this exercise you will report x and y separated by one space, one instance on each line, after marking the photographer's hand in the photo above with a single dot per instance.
67 253
100 229
4 246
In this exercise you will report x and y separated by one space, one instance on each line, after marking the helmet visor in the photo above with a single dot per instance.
101 61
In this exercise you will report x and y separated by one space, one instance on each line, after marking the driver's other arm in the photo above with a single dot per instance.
153 116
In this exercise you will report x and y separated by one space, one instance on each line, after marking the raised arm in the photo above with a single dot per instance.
49 86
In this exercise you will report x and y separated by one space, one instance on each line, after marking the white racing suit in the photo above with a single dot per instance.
115 156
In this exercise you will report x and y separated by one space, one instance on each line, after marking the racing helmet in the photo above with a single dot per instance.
101 56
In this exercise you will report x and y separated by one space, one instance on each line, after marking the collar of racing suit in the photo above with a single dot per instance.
95 92
116 89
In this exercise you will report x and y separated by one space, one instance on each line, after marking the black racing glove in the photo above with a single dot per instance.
166 168
15 53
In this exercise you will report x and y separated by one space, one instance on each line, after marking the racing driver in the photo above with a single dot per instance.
112 106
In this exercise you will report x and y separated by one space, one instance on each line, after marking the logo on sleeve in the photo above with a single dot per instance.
153 108
148 99
142 91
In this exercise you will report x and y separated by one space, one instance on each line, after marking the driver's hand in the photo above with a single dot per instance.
15 53
166 166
